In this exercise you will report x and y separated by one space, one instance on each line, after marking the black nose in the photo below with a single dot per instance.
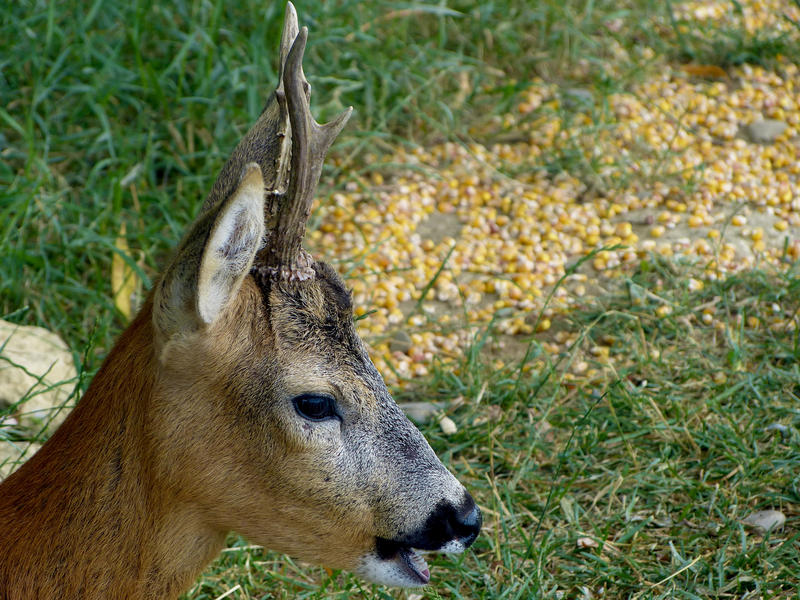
468 522
447 524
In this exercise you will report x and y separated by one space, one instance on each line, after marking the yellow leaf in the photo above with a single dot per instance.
705 71
124 280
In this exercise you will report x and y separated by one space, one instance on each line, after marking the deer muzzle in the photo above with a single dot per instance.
449 529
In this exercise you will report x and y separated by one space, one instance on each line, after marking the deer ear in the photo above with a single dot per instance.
213 258
232 245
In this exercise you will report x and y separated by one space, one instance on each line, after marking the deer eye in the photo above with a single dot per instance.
314 407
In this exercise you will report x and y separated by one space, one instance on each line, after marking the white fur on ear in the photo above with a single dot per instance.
235 238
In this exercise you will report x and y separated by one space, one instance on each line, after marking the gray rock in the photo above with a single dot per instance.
577 97
400 342
37 375
420 412
764 131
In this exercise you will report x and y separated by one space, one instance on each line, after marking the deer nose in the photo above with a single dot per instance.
466 522
450 528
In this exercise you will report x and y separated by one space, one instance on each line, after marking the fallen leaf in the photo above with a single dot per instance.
705 71
124 280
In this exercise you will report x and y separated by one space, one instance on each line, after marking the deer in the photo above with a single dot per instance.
239 399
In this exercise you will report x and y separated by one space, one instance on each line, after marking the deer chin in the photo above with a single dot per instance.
400 565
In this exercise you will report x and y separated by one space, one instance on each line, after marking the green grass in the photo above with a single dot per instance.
657 460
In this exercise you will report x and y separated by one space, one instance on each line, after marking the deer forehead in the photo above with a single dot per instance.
301 332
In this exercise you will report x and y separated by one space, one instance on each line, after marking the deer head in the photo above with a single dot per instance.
268 415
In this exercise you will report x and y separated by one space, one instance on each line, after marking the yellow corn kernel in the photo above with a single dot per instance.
757 234
781 225
631 239
623 229
695 285
738 220
657 231
663 310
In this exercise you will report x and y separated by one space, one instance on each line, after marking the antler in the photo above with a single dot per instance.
310 142
289 147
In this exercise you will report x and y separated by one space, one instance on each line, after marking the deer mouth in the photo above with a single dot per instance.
406 561
411 560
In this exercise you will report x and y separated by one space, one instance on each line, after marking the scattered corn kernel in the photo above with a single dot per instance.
491 244
695 221
695 284
663 310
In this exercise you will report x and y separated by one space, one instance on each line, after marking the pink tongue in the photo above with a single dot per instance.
417 563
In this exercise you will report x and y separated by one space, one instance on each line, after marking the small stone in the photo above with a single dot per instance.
780 428
420 412
545 431
764 131
763 521
400 342
447 425
578 97
586 543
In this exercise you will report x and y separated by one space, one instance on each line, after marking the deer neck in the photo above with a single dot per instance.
91 493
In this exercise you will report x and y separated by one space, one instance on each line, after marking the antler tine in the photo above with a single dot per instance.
310 143
288 35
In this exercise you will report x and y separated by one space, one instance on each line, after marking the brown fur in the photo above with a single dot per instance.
92 493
